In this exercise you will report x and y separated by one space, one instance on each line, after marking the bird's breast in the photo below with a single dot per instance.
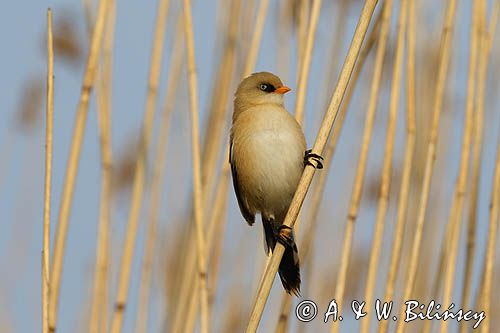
268 150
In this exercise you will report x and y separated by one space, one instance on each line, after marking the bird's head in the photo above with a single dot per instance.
260 88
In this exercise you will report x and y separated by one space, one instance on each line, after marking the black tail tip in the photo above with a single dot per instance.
295 289
289 271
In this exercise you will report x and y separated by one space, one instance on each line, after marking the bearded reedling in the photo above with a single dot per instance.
267 156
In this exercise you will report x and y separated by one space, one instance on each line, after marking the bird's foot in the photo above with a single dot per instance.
285 236
309 156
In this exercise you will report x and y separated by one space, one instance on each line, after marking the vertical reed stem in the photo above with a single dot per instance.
249 65
256 38
408 160
306 62
197 190
483 53
72 165
49 119
362 163
100 297
139 174
219 110
455 220
387 165
156 185
442 71
491 244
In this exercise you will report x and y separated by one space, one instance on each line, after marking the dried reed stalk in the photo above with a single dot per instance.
256 38
487 291
214 146
302 24
100 297
72 165
186 279
444 59
150 247
309 171
216 227
360 171
408 159
185 287
455 220
48 175
317 195
486 35
484 49
186 295
190 318
247 29
305 64
197 186
139 174
286 305
218 111
319 188
283 37
383 201
335 50
216 223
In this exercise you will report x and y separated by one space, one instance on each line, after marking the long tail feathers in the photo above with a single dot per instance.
289 270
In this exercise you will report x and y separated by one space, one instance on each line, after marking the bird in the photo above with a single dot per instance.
267 155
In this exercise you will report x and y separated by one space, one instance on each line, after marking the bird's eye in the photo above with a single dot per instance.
267 87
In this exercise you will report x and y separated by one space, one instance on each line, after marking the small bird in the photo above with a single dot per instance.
267 156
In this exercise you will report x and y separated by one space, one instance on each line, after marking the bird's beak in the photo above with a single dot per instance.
282 90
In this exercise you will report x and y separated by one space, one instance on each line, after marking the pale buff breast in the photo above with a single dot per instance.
268 151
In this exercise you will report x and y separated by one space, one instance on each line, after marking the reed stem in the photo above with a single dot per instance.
49 125
256 38
100 298
197 186
402 211
491 244
483 54
363 157
150 246
442 71
140 168
305 64
72 165
455 220
383 201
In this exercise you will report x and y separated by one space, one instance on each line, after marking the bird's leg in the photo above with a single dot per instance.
285 236
309 155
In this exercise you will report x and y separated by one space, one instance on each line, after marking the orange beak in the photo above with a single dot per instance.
282 90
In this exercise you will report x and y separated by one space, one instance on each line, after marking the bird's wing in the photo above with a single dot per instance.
249 217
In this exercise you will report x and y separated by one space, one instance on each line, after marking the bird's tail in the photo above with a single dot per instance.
289 269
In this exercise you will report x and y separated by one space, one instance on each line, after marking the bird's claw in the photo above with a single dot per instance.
284 236
309 155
